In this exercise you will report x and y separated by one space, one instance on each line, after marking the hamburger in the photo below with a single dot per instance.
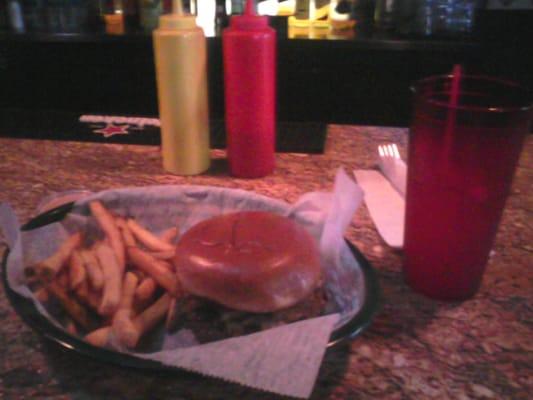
247 271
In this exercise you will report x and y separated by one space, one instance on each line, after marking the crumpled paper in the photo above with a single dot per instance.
284 359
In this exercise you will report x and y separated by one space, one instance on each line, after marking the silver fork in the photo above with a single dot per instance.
393 167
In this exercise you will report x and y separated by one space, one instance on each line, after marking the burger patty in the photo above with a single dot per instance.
210 321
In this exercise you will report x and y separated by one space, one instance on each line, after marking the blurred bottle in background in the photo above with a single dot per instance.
95 16
114 17
443 17
15 16
130 11
386 14
237 7
311 13
405 12
286 7
342 14
221 16
60 16
48 16
363 14
53 12
430 17
149 12
301 10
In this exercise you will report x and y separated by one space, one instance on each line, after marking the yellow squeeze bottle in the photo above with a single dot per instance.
181 72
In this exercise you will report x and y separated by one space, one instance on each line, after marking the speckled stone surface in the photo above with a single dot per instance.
415 349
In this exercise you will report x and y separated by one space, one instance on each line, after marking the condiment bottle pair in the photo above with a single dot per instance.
249 59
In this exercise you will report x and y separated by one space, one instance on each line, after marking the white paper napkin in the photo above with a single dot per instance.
283 360
385 204
385 194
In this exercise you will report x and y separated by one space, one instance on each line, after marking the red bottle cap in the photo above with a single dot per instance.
249 20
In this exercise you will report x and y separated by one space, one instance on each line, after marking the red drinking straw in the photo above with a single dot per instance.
457 72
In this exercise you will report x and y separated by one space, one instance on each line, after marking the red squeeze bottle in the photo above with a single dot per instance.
249 54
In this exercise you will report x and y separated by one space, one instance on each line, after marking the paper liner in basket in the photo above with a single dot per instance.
285 359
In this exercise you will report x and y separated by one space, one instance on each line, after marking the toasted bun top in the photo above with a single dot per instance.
250 261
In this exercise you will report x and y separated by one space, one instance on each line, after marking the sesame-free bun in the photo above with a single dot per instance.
250 261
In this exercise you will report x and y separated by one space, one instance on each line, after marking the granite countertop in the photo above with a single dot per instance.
416 348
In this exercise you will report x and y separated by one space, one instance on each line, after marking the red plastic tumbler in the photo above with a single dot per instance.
465 140
249 54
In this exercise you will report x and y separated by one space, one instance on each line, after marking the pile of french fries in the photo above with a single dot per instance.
122 284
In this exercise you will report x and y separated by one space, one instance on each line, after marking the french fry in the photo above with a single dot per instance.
83 280
112 272
82 292
106 221
139 274
99 337
73 308
128 291
163 255
168 235
153 314
170 320
62 279
50 267
76 270
94 299
168 265
144 294
123 326
148 319
88 296
93 268
145 290
127 236
155 268
147 238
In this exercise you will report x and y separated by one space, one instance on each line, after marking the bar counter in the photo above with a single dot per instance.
416 348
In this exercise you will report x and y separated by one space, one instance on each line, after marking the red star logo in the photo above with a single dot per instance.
111 129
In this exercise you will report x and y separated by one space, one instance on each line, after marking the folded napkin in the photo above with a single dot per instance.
385 198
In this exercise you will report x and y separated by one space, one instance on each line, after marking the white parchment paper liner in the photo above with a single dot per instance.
285 359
